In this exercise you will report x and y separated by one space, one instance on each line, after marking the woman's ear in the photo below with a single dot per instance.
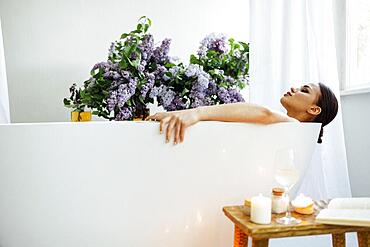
314 110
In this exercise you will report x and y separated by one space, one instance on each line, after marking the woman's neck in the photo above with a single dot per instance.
302 117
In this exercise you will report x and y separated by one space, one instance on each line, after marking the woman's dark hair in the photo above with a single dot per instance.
329 108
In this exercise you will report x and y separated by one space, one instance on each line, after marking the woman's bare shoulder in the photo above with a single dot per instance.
281 117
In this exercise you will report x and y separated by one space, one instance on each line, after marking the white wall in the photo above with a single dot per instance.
51 43
356 121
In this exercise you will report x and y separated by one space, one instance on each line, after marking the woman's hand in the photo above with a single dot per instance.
176 122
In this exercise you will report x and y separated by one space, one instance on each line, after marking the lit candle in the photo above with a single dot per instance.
261 209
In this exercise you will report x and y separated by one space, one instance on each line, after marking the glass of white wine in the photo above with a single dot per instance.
287 175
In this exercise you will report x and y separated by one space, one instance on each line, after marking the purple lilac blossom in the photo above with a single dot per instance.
174 71
208 101
199 89
101 65
124 114
126 74
224 96
108 75
143 63
197 102
197 97
132 84
203 80
230 80
160 54
212 88
156 91
161 70
216 42
112 101
146 47
112 48
176 104
192 70
235 96
200 85
115 84
167 98
149 85
244 80
141 68
123 95
113 66
116 75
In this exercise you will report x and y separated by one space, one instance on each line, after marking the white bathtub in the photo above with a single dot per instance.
118 184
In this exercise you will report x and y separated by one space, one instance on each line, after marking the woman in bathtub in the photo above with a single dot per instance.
309 103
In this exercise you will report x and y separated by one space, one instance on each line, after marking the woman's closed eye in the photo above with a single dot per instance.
305 90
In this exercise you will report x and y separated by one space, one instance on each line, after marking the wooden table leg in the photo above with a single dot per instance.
240 238
338 240
363 239
260 243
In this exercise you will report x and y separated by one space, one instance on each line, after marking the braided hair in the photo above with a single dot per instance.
329 108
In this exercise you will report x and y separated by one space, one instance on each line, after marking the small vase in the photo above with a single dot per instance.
142 116
80 116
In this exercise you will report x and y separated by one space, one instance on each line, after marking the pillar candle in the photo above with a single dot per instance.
261 209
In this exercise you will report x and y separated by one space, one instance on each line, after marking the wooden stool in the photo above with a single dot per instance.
261 234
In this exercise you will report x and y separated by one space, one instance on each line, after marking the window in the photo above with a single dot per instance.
358 46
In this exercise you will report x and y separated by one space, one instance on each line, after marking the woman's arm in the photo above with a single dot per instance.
178 121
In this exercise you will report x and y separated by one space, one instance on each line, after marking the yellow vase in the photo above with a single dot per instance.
138 119
80 116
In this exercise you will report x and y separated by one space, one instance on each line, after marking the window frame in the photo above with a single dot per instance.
347 87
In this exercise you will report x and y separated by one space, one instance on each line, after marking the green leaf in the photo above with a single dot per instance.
123 64
66 102
185 91
124 35
142 18
139 27
145 19
194 59
93 72
137 31
141 99
169 65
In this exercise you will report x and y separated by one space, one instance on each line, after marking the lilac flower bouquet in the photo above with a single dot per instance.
214 76
121 87
137 72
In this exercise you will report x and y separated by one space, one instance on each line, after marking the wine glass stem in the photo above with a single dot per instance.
287 214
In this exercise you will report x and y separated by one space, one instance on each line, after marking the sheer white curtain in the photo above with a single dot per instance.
292 42
4 99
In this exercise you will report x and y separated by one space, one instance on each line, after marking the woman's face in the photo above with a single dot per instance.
303 100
